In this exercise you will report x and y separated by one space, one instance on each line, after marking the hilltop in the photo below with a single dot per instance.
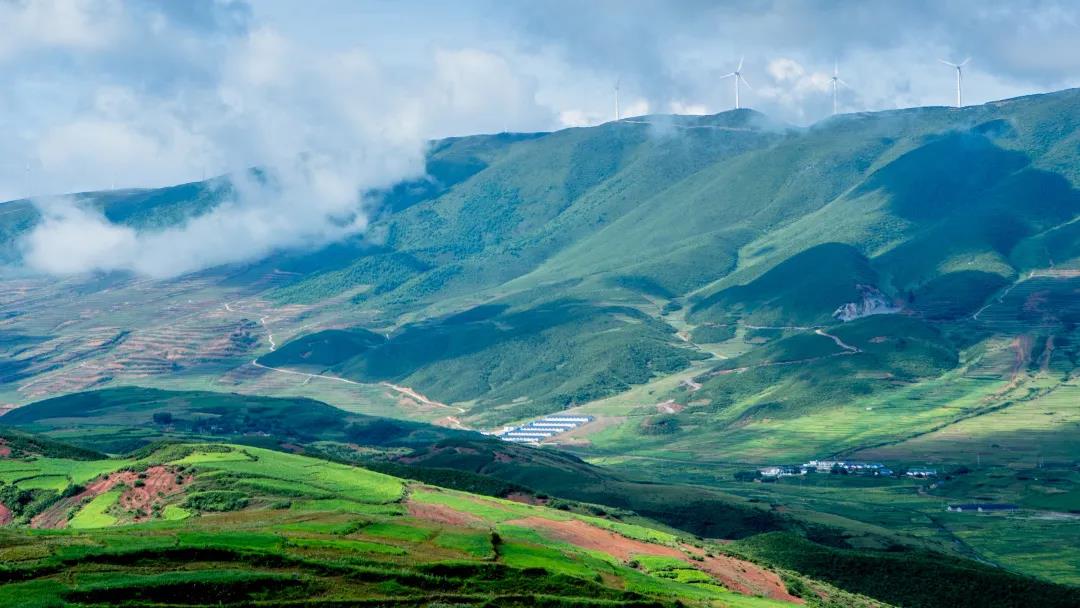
257 525
252 524
719 293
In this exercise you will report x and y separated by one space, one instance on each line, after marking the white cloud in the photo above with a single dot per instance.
690 109
636 107
323 127
341 98
71 24
70 239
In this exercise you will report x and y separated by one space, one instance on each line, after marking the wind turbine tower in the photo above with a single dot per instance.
617 115
737 74
836 82
959 78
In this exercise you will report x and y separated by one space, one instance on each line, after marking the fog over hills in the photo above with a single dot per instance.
740 304
561 238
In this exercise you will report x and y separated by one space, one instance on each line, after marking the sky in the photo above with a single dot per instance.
337 97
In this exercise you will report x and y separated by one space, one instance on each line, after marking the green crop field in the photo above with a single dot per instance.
898 287
467 547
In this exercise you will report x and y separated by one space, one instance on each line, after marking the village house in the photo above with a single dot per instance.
848 466
984 507
781 471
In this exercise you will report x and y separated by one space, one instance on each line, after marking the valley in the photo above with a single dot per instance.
899 287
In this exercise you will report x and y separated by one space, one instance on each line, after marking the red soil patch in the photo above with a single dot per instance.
526 499
158 479
159 483
745 577
5 451
735 574
581 534
56 515
441 514
669 407
1036 300
5 515
292 447
1048 353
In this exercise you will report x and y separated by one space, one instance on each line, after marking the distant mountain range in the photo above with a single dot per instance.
532 273
717 294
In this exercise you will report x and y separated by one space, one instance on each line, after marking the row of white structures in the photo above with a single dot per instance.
543 428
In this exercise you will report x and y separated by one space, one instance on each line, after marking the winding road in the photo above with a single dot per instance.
851 349
308 376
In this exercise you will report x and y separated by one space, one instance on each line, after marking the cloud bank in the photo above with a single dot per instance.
321 127
340 97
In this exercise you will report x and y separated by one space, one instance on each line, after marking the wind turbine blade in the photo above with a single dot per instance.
838 80
948 63
836 69
744 82
739 69
964 62
727 75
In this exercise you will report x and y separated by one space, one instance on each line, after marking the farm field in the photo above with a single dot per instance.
260 525
264 524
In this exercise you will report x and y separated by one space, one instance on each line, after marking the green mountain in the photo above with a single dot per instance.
720 293
738 221
199 524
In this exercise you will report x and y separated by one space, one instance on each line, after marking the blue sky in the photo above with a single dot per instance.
340 96
506 65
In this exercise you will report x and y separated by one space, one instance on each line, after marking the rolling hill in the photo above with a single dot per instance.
253 525
718 292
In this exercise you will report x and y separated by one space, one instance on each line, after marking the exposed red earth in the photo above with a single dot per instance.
442 514
735 574
158 483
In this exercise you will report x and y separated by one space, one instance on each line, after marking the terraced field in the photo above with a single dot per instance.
260 524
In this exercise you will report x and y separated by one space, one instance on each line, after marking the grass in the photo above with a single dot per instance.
276 555
123 419
547 271
175 513
476 544
94 514
326 546
346 545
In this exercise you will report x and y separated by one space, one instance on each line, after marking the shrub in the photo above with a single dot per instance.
666 424
217 500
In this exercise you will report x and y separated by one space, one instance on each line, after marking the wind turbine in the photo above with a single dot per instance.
617 116
836 82
959 72
737 74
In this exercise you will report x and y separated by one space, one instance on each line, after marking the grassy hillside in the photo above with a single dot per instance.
933 209
732 217
123 419
254 525
251 524
527 362
675 277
